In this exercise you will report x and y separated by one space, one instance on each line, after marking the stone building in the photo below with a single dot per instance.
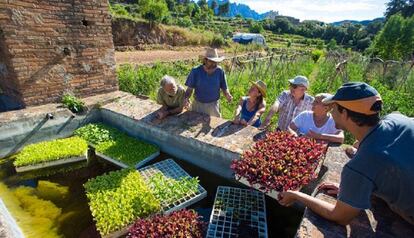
48 47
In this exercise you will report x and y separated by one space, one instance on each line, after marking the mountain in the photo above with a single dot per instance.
364 22
244 10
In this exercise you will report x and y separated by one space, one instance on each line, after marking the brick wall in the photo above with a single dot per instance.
49 47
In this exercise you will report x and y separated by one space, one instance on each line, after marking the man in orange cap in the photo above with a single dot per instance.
383 164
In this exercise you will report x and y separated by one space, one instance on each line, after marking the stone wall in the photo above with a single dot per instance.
49 47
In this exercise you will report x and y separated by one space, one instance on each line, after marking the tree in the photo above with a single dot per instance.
256 27
214 5
282 25
155 11
202 3
332 45
395 40
224 9
404 7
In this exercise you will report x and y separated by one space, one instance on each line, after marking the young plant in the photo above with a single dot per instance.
73 103
183 223
169 190
50 151
116 144
118 198
280 162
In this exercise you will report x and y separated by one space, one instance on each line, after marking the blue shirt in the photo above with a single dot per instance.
206 87
383 166
247 115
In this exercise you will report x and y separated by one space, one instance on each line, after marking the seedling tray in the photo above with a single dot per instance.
172 170
52 163
238 213
273 193
123 165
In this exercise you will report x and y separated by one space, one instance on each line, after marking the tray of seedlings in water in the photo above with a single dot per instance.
280 162
172 186
238 213
51 153
117 199
117 147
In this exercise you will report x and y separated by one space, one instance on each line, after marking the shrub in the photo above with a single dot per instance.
316 55
184 22
217 41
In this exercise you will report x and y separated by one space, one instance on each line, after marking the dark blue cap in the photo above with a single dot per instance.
356 96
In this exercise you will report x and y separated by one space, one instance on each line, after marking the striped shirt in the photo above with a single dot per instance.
288 110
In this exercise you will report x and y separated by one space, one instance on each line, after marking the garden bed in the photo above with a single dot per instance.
183 190
117 147
280 162
238 213
51 153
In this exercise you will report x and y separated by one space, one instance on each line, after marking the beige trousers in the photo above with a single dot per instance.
212 108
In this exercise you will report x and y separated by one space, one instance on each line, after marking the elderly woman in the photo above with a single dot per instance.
318 123
170 96
251 107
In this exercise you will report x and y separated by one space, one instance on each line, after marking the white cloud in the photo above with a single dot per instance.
323 10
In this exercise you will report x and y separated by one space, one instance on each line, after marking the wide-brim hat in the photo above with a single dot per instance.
261 86
300 80
212 54
357 97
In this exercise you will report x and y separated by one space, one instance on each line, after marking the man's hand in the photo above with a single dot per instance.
162 114
243 122
229 97
186 103
330 188
287 198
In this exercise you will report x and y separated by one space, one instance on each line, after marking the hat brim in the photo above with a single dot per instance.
328 100
262 90
217 60
292 81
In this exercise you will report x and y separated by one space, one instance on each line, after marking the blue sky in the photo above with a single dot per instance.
322 10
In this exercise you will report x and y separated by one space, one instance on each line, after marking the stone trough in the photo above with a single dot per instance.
209 143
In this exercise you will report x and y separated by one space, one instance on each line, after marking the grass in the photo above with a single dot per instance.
395 85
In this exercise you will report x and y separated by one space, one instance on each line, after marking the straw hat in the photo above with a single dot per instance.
212 54
261 86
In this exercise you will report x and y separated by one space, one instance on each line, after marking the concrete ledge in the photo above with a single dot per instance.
379 221
210 143
30 125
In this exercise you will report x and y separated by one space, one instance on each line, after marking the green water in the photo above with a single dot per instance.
75 219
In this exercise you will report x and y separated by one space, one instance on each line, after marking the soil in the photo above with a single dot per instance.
147 57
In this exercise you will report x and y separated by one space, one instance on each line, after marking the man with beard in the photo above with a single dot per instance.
170 96
206 81
383 164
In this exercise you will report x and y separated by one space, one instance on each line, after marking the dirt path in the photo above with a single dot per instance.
150 56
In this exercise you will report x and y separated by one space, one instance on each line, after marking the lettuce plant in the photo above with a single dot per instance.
169 190
51 150
116 144
118 198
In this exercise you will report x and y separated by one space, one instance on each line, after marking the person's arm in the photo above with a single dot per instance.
339 212
227 94
292 129
237 114
256 116
187 96
339 137
272 111
174 111
335 138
